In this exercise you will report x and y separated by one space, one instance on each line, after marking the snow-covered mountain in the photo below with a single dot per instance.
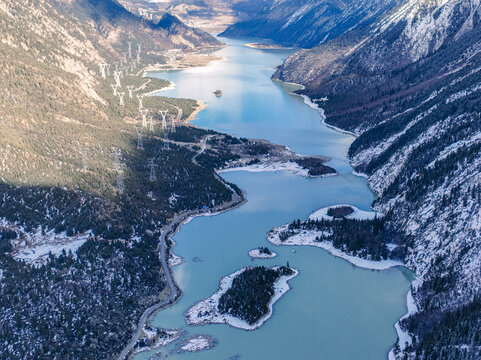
410 88
309 23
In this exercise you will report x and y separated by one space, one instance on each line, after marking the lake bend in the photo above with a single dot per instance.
333 310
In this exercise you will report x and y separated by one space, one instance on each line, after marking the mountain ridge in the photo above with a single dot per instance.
417 118
309 23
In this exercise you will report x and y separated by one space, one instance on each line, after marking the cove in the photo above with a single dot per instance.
333 310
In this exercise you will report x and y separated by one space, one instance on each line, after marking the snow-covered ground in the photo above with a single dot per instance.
321 214
271 167
356 173
256 254
308 238
37 254
206 311
289 166
313 105
159 341
198 343
34 247
175 260
403 335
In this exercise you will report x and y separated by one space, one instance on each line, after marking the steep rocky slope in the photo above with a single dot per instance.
117 25
309 23
410 89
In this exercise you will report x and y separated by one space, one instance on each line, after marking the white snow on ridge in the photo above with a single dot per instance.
299 14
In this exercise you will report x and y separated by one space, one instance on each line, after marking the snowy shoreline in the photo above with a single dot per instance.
313 105
171 86
308 238
272 167
308 101
358 214
403 335
256 254
206 311
288 166
197 343
151 335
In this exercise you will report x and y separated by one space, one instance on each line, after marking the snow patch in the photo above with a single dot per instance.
289 166
257 254
198 343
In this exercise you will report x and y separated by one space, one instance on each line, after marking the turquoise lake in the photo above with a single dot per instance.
333 310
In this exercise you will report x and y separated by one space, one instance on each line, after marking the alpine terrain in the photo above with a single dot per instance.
410 89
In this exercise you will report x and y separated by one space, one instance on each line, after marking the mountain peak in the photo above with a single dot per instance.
168 21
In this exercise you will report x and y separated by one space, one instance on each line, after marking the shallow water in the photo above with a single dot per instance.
334 310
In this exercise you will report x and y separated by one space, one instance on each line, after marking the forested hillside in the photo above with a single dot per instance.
76 174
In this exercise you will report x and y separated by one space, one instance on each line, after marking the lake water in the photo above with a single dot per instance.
333 310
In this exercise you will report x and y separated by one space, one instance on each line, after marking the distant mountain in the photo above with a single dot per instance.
309 23
410 88
116 24
215 15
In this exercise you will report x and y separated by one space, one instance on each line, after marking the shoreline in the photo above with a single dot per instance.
201 105
308 101
308 238
211 60
403 334
171 86
208 306
165 254
411 301
242 199
321 214
274 167
256 254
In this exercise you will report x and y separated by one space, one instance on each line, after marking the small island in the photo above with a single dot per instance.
218 93
315 166
244 299
262 253
196 343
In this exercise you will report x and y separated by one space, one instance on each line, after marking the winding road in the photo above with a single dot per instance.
167 231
